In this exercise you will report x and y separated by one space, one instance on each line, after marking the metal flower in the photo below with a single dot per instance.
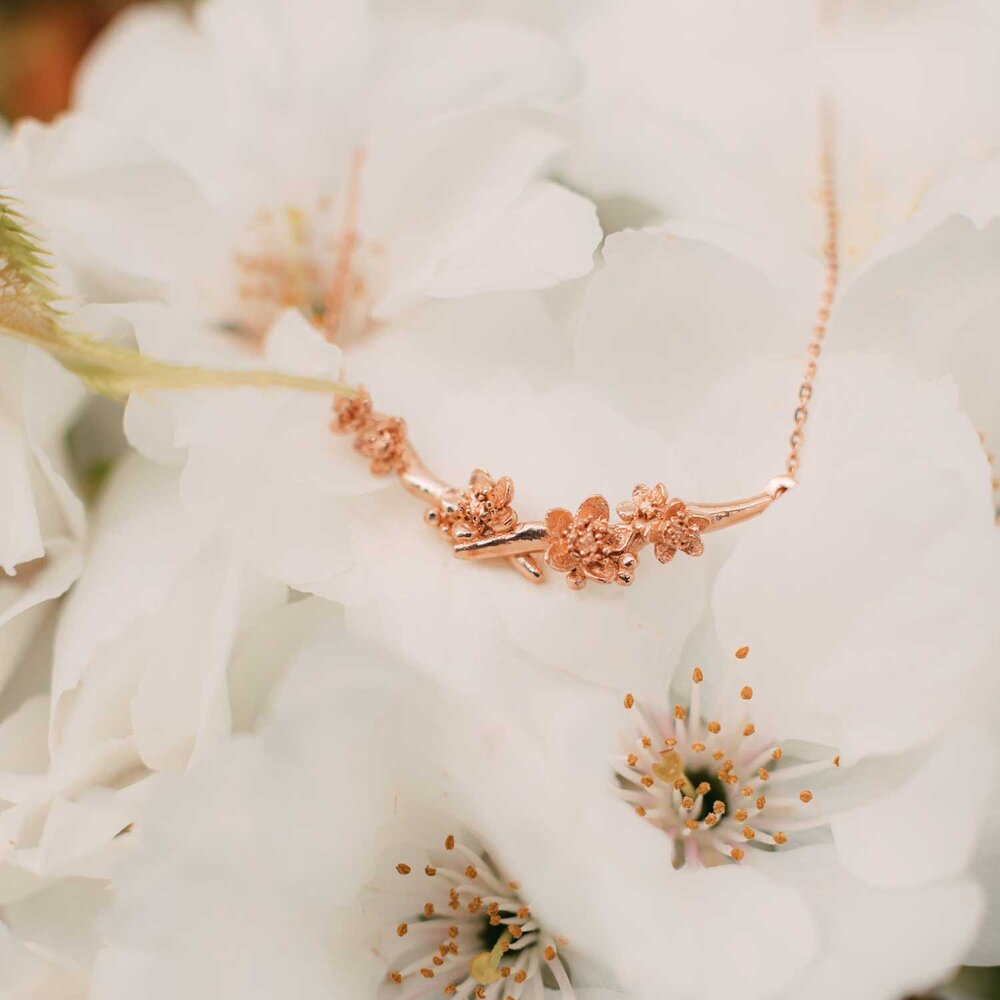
483 509
383 440
666 524
587 546
352 413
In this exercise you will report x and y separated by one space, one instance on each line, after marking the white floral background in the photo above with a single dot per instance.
242 687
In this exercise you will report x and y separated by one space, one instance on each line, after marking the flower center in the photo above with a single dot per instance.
307 259
474 934
590 537
714 787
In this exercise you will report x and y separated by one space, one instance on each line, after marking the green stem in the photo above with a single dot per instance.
116 371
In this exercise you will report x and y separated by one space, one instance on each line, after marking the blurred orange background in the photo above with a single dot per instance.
41 42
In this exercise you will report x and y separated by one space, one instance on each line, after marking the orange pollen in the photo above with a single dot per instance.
749 729
640 810
519 977
737 854
718 755
761 802
524 913
697 676
740 815
629 701
719 807
805 795
714 727
430 871
746 790
703 788
679 784
646 741
427 973
449 844
741 653
780 838
515 931
514 886
747 693
691 824
836 761
680 712
776 753
670 741
401 930
748 833
471 872
647 781
453 931
762 774
428 910
711 819
395 977
632 760
697 747
687 802
403 869
549 953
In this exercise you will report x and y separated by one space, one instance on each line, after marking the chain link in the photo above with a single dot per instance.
831 260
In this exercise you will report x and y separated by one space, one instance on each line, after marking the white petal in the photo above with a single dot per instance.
890 597
935 302
20 536
428 190
21 597
62 920
88 184
932 927
680 311
142 541
904 837
548 235
464 64
24 972
986 870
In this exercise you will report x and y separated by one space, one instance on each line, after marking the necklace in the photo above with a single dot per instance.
480 522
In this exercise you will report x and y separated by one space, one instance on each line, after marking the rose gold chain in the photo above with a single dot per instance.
831 260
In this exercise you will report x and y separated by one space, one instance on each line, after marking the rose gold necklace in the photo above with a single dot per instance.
481 523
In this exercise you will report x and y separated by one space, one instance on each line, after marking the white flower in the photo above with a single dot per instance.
330 183
143 642
866 593
334 852
329 848
778 902
696 112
